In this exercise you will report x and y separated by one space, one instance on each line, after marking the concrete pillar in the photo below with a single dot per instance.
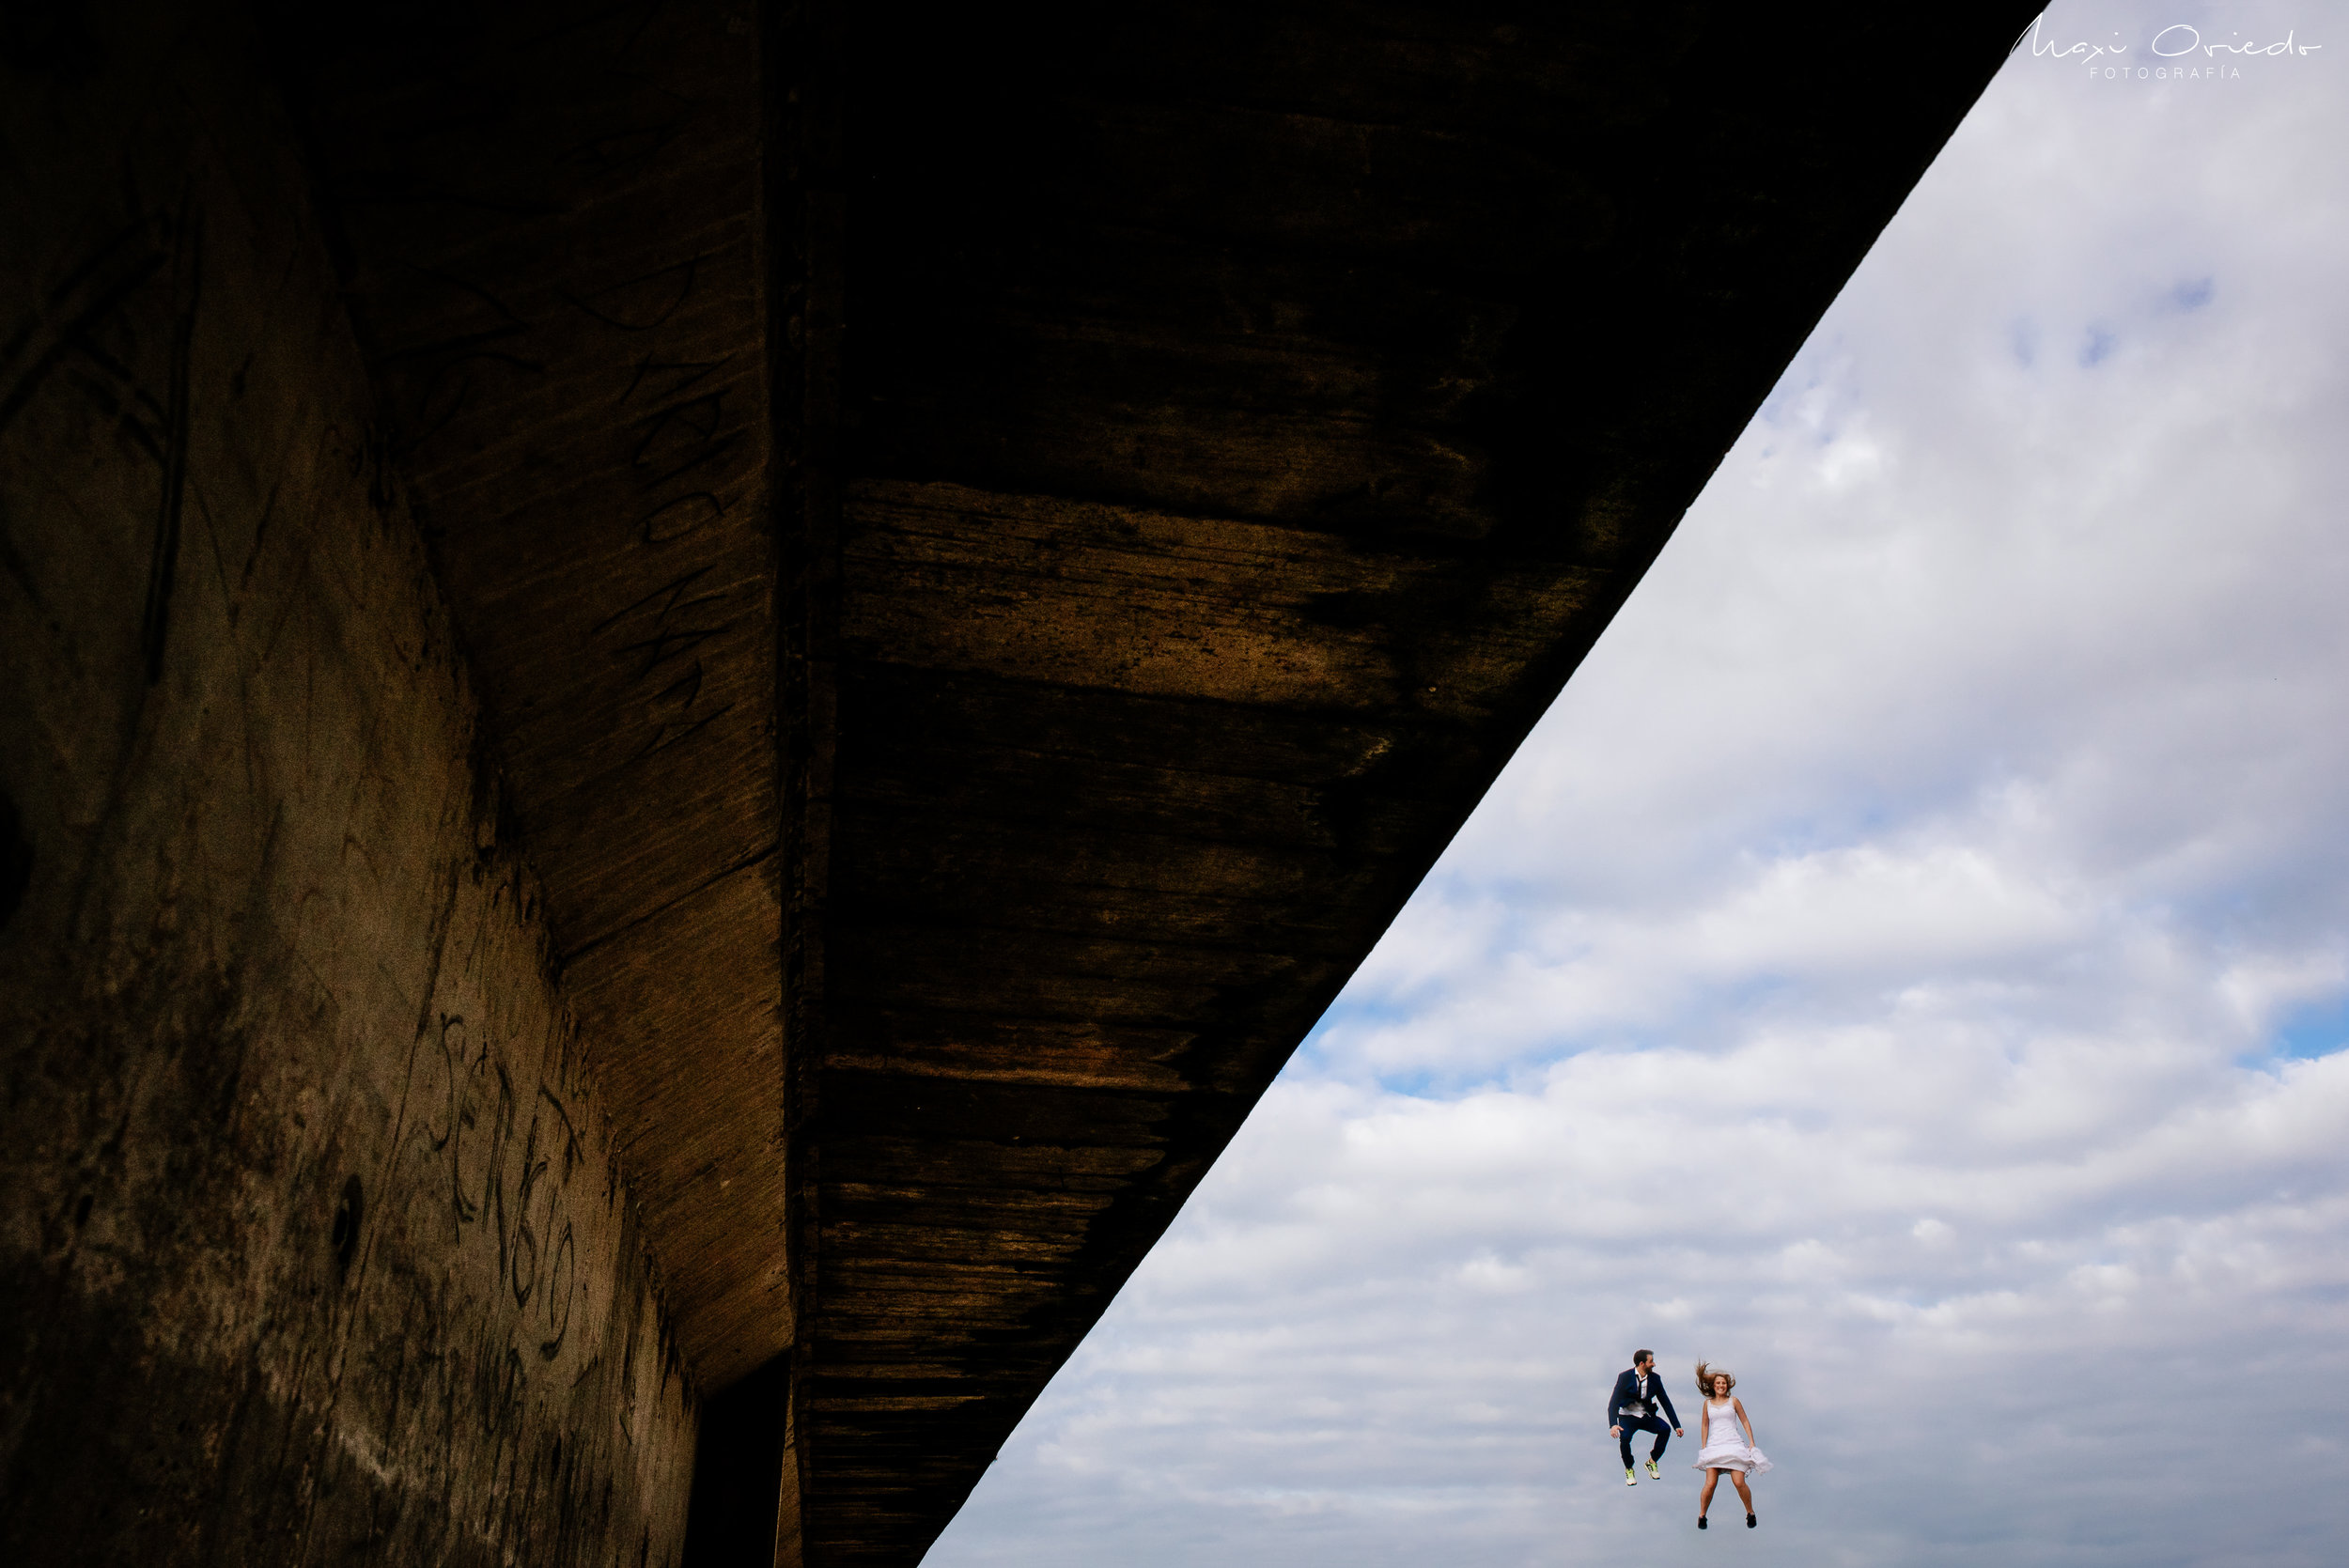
313 1244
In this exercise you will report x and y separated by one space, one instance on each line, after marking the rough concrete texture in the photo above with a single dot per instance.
550 227
313 1244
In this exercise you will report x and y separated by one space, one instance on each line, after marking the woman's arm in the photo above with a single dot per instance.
1745 1420
1705 1417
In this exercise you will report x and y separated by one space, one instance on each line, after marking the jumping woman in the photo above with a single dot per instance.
1726 1442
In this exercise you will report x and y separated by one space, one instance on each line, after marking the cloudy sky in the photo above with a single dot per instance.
1909 964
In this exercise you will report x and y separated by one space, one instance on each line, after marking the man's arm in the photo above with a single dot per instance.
1666 1400
1614 1402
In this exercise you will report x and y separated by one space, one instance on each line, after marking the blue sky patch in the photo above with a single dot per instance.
2317 1030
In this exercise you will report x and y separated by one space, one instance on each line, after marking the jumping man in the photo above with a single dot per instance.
1632 1409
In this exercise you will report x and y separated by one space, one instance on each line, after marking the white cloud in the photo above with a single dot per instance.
1870 971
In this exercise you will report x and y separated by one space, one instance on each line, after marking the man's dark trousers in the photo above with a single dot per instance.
1643 1423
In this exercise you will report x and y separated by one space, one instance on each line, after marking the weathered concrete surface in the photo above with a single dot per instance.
550 218
313 1241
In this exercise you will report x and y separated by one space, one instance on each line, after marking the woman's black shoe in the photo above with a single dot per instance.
1700 1521
1749 1521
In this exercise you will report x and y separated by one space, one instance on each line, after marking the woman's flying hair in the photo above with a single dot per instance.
1705 1375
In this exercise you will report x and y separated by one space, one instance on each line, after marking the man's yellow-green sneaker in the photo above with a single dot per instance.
1630 1477
1653 1473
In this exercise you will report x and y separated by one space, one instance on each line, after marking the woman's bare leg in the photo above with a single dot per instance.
1712 1479
1744 1495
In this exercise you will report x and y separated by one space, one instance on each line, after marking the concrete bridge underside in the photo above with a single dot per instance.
874 607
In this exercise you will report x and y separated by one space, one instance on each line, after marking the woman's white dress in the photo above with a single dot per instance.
1727 1448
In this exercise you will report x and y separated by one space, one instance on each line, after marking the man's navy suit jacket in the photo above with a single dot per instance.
1627 1390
